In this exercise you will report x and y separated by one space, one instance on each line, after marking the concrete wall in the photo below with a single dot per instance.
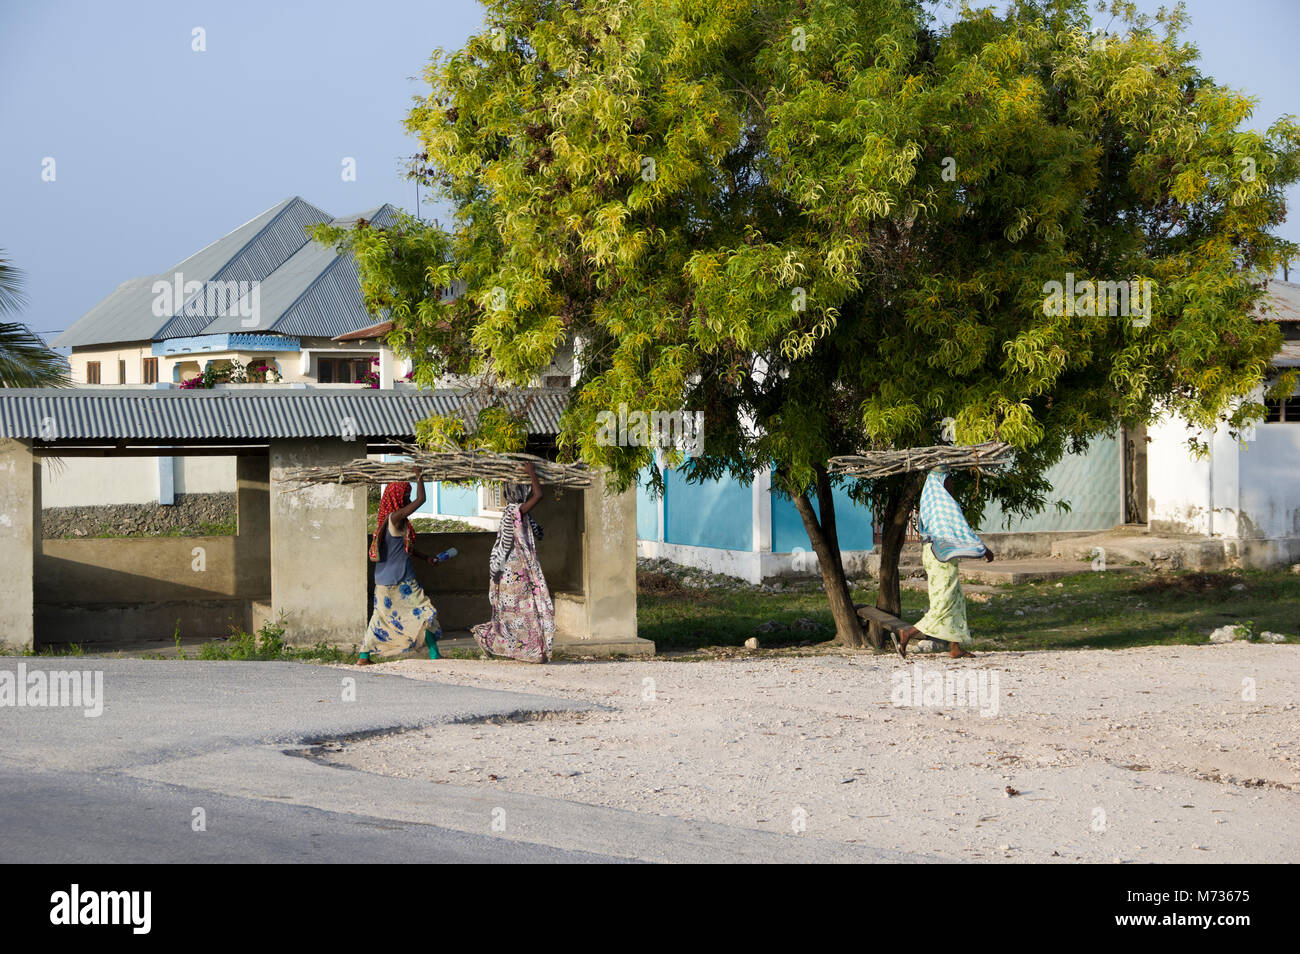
103 481
253 528
717 513
135 590
1245 494
1178 485
1269 482
318 573
137 570
299 556
20 533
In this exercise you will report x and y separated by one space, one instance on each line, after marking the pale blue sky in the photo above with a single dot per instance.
161 150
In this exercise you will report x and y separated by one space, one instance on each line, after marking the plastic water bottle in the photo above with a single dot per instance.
446 555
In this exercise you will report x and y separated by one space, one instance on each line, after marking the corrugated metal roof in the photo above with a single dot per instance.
245 414
1289 356
1280 303
255 261
305 289
378 330
125 315
331 306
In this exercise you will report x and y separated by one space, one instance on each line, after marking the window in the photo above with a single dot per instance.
92 372
493 497
341 370
121 371
1286 411
556 381
150 371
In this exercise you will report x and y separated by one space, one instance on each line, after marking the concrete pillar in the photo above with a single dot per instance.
609 567
318 547
385 367
167 481
252 528
762 510
20 541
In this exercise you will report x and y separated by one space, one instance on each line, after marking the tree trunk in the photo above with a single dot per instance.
893 531
825 543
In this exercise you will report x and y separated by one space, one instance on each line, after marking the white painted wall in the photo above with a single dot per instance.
205 475
1270 482
98 481
103 481
1178 485
1247 490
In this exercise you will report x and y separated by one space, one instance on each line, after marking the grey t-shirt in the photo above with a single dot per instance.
394 564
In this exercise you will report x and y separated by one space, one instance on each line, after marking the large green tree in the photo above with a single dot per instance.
834 225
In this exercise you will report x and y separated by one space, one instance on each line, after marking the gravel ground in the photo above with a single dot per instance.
191 514
1146 755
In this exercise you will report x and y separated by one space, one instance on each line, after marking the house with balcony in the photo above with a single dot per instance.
263 297
263 306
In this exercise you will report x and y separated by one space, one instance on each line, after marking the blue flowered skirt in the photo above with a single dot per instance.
402 615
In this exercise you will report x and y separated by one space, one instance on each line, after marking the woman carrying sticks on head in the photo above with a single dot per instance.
403 614
946 538
523 616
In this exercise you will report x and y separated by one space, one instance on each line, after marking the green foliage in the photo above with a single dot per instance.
267 645
25 360
234 371
832 224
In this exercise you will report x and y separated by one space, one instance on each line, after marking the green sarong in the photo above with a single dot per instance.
946 618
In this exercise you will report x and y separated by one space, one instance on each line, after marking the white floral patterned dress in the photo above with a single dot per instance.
523 616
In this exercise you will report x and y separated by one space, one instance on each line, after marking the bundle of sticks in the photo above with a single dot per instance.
870 465
450 465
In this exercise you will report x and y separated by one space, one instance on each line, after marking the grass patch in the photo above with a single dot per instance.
266 645
1085 611
444 525
104 531
60 649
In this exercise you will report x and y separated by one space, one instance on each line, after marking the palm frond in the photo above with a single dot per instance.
11 286
27 362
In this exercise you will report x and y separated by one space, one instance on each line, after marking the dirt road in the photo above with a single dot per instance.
1142 755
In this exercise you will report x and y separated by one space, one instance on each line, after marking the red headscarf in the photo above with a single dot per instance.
395 497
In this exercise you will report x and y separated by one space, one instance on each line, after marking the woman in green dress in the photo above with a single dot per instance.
946 538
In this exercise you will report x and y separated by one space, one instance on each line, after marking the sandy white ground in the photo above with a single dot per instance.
1146 755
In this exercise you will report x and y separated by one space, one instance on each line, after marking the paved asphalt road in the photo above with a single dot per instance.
229 739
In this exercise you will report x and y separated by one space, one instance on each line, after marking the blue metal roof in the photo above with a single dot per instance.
302 288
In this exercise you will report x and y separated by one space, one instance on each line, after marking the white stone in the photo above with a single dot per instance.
1225 634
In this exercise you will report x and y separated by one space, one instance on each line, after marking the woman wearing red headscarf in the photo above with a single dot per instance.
403 614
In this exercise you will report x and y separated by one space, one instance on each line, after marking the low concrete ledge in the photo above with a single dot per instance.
596 646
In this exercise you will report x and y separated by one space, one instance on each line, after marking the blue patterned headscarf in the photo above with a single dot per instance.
942 524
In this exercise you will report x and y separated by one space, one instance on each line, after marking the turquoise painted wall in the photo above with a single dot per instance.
430 508
455 501
716 514
852 522
719 514
647 513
